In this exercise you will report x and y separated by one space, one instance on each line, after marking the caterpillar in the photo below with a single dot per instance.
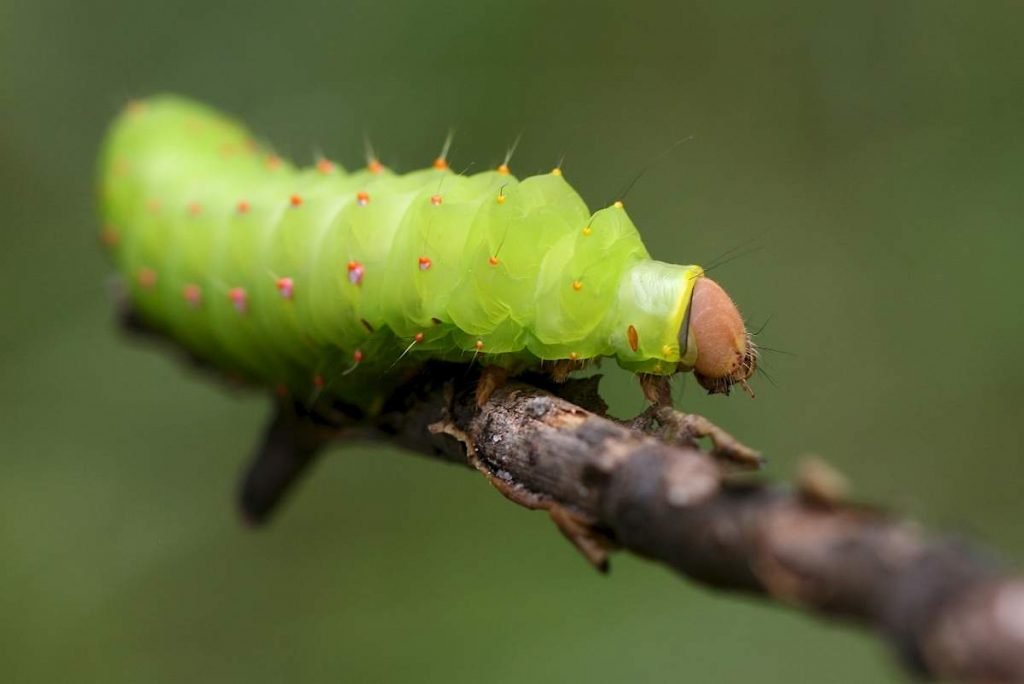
319 282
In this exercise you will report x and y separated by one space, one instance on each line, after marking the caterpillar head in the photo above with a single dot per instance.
725 354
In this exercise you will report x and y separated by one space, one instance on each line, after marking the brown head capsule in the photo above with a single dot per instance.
725 354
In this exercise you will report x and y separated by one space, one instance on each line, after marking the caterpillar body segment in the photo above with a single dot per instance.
342 283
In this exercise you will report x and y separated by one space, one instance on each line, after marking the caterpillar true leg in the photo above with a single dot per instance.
491 378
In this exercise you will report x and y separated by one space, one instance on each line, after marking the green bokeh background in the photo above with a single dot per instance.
869 153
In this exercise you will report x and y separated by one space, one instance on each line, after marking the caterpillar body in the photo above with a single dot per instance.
341 284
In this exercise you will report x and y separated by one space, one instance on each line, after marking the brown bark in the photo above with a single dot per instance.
950 611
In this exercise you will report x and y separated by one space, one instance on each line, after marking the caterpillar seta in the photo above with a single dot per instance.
326 283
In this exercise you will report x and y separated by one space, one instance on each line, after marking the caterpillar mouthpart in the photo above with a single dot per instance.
726 355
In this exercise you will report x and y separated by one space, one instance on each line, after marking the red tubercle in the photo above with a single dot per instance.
286 286
424 263
355 273
504 170
195 208
318 381
436 200
273 162
418 338
109 236
192 294
441 164
374 166
243 206
326 167
479 345
295 201
493 260
239 299
357 356
362 198
146 277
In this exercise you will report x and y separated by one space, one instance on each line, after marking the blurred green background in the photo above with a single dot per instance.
870 154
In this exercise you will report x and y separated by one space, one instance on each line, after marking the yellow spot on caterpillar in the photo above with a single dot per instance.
500 199
557 171
618 204
573 356
479 345
493 261
587 230
633 337
657 367
577 285
666 350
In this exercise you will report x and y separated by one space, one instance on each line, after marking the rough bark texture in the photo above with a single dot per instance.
951 611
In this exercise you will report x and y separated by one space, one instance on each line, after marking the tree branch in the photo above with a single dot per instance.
950 611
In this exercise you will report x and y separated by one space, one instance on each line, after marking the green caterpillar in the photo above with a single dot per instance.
326 283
